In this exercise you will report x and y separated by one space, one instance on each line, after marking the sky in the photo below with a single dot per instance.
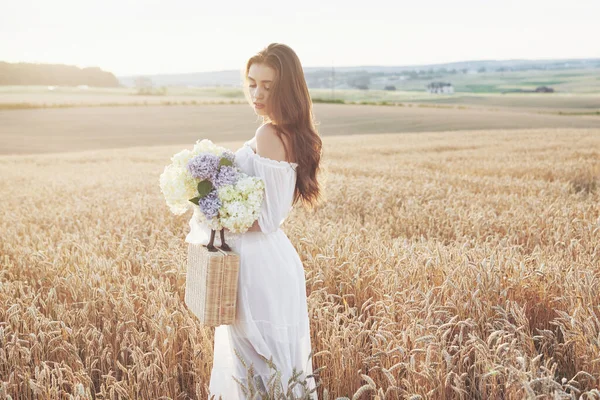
129 37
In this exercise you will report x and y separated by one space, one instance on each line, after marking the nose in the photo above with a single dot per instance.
258 93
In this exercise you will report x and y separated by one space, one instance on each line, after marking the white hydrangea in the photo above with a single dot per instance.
207 146
181 159
241 203
227 193
178 186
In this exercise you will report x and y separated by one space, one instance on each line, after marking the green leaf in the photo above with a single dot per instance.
225 161
195 200
204 187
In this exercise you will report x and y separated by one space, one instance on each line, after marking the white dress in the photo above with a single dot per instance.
271 314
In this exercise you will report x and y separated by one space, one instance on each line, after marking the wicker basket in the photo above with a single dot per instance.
211 284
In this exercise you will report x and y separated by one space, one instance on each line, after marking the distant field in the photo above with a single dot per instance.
17 97
564 81
443 265
72 129
41 95
551 102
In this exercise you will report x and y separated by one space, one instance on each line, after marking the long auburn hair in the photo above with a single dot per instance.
292 117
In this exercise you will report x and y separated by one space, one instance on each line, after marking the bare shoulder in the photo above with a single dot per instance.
268 143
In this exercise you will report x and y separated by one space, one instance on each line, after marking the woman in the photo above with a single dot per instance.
272 316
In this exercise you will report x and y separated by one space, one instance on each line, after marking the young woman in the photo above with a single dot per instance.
272 316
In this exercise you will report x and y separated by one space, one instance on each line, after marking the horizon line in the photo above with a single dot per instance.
315 67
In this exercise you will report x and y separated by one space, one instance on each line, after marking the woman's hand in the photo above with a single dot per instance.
255 227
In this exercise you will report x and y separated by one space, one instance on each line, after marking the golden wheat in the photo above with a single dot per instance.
443 265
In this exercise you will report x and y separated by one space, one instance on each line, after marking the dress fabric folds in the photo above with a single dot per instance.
271 315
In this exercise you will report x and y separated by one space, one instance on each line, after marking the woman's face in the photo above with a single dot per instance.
260 78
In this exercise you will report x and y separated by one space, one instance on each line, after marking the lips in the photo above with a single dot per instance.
259 105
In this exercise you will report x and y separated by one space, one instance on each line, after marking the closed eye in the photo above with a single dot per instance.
253 86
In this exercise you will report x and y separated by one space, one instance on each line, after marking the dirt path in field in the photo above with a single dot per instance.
86 128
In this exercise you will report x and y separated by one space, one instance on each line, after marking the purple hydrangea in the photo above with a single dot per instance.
228 154
210 204
227 176
204 166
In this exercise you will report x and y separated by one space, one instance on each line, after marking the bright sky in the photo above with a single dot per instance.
177 36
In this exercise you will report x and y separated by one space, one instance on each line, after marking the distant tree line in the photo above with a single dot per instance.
54 74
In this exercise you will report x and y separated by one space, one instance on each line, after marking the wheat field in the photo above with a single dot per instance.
442 265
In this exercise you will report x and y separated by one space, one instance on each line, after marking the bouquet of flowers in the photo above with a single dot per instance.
206 177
